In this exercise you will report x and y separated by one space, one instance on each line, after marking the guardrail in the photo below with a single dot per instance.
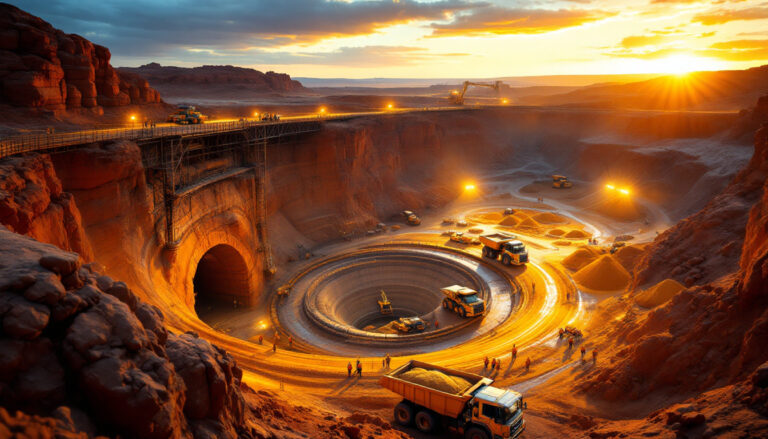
48 142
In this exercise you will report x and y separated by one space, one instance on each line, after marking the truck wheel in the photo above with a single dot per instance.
425 421
476 433
462 312
486 252
506 260
446 304
404 414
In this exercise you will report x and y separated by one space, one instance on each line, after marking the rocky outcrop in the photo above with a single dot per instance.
42 67
33 203
79 343
224 80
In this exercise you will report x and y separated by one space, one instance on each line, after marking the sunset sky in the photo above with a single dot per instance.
423 39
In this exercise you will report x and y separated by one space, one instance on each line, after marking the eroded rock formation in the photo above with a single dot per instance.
33 203
76 341
42 67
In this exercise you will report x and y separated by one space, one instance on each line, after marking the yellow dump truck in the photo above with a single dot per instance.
463 301
561 182
478 411
508 247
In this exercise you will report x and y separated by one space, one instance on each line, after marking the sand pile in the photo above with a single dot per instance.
556 232
580 258
549 218
627 255
389 328
659 293
529 223
510 221
436 380
562 243
577 234
603 274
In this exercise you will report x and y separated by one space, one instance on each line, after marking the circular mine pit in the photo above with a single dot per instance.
335 302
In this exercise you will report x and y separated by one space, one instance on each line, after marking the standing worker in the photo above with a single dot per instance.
493 364
514 352
261 339
583 351
594 356
274 346
437 324
528 364
498 365
349 369
290 341
359 369
485 363
388 360
570 343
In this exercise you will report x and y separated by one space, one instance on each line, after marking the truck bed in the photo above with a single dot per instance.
448 404
495 240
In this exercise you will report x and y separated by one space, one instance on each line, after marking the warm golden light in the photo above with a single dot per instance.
469 187
610 187
263 324
389 106
322 110
505 101
624 191
133 117
255 114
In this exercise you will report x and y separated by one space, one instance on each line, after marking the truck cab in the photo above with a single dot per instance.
463 301
499 411
514 253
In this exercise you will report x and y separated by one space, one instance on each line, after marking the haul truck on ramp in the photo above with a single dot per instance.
478 411
508 247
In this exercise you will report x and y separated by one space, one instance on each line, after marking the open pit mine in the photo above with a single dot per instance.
477 271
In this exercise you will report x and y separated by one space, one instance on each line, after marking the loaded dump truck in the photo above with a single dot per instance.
435 396
463 301
508 247
186 115
561 182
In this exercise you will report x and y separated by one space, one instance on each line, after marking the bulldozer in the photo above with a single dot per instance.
385 306
561 182
457 97
409 324
186 115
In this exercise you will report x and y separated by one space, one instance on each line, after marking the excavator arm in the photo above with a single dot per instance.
457 97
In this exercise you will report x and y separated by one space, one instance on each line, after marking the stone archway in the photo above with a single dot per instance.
221 278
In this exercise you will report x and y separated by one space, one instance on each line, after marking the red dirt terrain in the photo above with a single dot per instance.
696 366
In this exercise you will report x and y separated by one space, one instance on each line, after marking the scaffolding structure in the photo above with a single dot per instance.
179 165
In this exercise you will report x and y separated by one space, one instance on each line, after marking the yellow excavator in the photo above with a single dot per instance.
457 97
385 306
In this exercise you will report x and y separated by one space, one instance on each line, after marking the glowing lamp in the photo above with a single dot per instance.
505 101
133 117
624 191
469 187
610 187
389 106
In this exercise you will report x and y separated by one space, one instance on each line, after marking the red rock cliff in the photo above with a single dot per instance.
42 67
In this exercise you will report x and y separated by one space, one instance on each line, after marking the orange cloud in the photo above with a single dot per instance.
642 40
738 50
503 21
724 16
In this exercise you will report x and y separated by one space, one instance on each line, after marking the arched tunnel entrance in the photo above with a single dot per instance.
222 279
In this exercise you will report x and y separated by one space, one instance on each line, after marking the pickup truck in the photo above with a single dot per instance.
479 411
